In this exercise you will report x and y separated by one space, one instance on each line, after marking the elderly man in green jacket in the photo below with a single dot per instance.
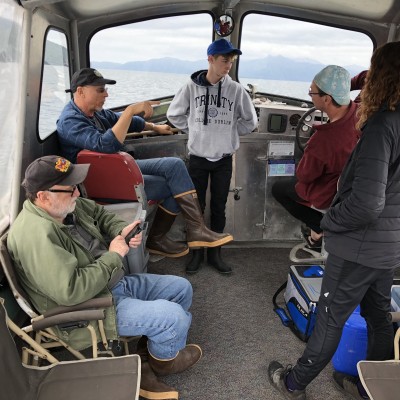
62 257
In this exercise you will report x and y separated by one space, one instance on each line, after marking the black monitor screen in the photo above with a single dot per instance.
277 123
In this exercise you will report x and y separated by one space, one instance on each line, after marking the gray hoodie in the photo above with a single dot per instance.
229 112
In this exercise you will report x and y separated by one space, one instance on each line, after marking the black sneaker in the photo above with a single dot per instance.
315 245
348 385
276 375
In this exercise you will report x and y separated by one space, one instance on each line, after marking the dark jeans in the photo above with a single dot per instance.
219 173
285 194
345 285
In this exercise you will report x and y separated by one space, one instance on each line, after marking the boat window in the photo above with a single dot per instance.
12 90
151 59
281 56
55 80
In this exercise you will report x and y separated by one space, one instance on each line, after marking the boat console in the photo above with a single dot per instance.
282 118
269 153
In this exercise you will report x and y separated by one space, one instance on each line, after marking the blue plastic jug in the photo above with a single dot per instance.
353 344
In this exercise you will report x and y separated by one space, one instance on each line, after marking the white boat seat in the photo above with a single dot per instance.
381 379
315 255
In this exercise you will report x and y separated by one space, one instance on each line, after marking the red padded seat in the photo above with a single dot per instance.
112 178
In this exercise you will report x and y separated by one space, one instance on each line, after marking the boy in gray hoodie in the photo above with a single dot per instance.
214 110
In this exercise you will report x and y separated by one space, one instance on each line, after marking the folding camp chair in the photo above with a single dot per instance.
101 379
381 379
83 316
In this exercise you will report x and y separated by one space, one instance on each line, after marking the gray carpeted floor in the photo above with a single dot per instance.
234 323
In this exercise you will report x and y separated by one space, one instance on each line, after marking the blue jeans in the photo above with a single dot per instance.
165 178
155 306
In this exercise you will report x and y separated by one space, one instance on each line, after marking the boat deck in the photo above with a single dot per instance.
234 323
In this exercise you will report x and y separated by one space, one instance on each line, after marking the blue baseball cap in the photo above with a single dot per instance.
336 82
222 46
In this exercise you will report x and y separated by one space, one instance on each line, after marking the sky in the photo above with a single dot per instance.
187 38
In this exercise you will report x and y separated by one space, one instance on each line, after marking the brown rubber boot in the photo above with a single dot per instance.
158 242
198 235
185 359
152 388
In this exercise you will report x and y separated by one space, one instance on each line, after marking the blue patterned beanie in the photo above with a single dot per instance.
335 81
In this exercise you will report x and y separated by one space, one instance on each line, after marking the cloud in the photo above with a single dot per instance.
298 39
184 37
187 38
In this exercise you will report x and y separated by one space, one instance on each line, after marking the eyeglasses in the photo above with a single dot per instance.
72 191
312 93
102 90
99 90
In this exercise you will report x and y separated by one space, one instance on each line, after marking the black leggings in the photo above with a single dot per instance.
284 193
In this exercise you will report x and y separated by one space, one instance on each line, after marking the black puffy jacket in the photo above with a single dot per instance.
363 223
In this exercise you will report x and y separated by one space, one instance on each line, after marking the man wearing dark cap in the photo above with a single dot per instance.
214 110
59 246
84 124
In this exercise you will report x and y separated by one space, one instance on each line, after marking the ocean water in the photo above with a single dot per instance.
136 86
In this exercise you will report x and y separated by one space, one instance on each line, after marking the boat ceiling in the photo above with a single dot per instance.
377 11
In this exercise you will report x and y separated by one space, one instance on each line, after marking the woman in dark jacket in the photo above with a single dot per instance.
362 234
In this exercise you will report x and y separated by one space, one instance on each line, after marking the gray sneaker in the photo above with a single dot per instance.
348 385
276 376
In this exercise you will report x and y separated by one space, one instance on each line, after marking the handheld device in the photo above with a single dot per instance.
137 229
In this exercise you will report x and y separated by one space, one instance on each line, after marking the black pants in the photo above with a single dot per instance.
219 173
284 193
345 285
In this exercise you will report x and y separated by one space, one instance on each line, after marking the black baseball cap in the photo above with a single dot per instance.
47 171
88 77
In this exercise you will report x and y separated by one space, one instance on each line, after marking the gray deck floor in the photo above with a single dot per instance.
234 323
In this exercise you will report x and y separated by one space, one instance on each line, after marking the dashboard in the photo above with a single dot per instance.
282 118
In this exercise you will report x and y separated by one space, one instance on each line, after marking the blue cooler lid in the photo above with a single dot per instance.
312 271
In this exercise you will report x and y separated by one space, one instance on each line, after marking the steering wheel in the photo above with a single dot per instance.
304 121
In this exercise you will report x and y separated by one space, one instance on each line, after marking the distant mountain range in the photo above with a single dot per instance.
270 67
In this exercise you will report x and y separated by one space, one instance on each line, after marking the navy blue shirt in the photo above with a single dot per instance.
77 132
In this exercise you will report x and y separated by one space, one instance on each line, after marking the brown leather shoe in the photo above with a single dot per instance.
198 235
152 388
185 359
